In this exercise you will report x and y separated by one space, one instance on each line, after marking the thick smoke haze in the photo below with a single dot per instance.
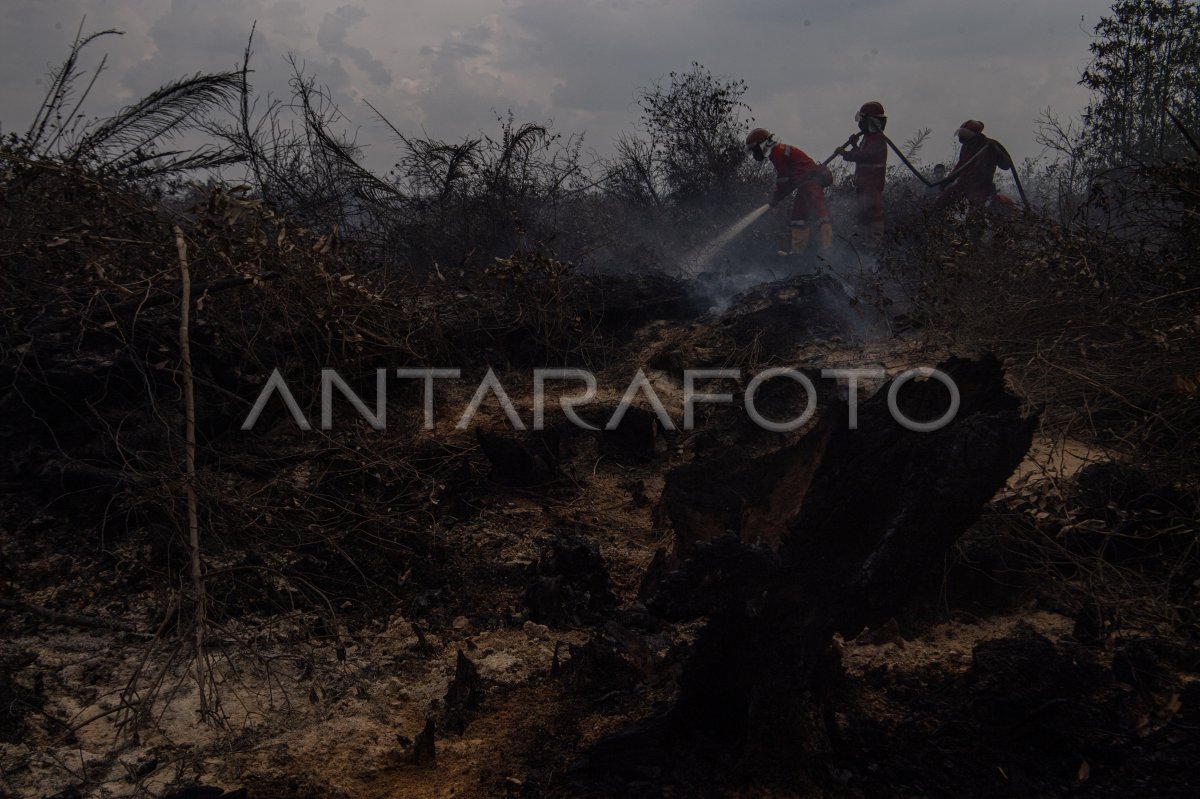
450 67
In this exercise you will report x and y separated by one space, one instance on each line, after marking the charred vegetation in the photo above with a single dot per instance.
1004 605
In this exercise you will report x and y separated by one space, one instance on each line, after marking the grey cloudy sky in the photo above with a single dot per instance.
445 66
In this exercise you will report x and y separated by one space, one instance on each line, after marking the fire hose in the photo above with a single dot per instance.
954 174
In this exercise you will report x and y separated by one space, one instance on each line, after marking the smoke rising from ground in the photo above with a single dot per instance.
848 282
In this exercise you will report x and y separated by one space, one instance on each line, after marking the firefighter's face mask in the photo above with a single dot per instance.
757 152
870 124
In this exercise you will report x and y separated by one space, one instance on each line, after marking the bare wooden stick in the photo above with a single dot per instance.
193 521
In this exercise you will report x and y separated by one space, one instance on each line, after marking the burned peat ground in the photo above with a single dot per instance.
1000 608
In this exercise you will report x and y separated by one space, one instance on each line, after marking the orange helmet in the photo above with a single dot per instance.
759 143
757 137
870 117
969 129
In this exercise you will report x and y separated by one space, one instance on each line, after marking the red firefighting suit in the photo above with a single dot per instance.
870 159
795 171
976 182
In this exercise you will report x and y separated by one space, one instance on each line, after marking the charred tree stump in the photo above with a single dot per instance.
879 513
637 438
517 463
462 695
752 498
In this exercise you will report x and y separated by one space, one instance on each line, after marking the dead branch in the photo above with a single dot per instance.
143 303
70 619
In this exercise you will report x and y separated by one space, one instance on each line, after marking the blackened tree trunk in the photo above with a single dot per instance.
877 518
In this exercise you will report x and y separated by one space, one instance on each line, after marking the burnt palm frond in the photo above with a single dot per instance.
516 145
339 153
380 116
522 140
50 116
437 166
913 145
458 160
155 164
159 116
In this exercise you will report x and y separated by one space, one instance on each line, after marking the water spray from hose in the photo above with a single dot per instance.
705 255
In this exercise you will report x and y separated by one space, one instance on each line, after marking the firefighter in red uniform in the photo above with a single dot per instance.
869 156
796 172
974 176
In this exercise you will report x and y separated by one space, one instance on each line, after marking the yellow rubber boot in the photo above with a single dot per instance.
826 235
800 237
